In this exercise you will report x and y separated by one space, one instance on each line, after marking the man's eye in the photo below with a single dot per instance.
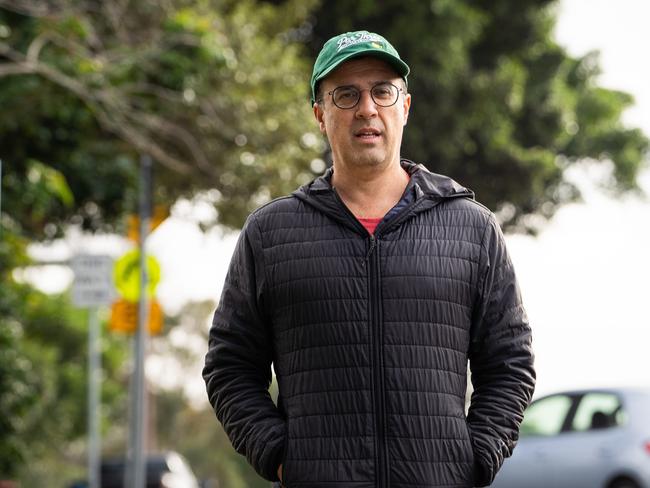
382 92
345 94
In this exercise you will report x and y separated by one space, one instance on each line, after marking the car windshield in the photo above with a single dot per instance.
573 413
546 416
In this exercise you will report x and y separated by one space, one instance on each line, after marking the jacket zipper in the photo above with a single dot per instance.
377 335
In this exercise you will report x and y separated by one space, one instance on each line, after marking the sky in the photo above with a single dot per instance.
584 278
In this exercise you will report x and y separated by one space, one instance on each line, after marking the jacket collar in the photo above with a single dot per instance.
426 183
429 190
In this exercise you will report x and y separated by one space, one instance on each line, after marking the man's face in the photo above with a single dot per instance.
367 134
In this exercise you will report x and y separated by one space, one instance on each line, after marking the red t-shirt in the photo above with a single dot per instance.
370 224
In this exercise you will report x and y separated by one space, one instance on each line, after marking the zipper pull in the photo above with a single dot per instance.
371 248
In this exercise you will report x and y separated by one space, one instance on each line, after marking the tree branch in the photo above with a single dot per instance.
180 134
35 47
9 69
103 103
32 9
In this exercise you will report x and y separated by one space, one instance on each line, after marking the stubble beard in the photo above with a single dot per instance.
368 158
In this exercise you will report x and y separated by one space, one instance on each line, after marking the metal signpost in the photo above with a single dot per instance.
136 471
93 287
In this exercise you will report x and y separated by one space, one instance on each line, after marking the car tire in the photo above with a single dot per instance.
623 483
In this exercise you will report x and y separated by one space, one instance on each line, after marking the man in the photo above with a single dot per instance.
368 290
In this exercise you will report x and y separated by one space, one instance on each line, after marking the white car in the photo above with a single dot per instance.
583 439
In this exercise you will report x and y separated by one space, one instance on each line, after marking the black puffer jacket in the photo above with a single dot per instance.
370 337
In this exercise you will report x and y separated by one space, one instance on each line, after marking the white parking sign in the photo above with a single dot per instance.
93 282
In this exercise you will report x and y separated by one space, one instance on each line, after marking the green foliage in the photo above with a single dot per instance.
19 391
43 375
18 384
497 104
214 91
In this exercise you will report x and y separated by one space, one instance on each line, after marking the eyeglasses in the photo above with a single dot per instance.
384 94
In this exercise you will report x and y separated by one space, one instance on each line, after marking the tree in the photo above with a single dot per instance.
214 91
43 372
43 375
497 104
19 392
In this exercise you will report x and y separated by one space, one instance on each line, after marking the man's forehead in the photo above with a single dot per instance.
370 67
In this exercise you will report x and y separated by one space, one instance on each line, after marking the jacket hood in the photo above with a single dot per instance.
429 190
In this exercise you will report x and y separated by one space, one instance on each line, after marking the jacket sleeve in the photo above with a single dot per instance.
237 369
501 360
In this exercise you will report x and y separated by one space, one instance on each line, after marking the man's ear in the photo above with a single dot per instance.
318 114
407 106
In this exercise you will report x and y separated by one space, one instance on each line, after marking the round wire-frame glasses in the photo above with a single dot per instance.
384 94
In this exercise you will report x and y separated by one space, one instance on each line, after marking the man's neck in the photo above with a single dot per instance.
370 192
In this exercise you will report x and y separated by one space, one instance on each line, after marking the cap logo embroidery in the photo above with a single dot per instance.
358 38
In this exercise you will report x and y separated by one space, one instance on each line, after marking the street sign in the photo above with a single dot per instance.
124 317
160 213
93 284
126 275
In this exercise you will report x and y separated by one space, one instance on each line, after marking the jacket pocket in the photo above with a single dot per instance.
470 453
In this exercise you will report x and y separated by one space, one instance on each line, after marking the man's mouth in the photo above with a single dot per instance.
368 133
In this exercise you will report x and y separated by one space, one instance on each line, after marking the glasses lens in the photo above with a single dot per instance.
384 94
345 96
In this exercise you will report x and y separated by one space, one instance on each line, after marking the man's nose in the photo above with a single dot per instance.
366 107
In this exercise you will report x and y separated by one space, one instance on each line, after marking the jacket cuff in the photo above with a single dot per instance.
482 475
488 458
269 470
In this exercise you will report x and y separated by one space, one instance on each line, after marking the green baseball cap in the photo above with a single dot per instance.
353 45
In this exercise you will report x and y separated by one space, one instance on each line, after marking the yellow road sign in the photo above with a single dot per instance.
126 275
124 317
